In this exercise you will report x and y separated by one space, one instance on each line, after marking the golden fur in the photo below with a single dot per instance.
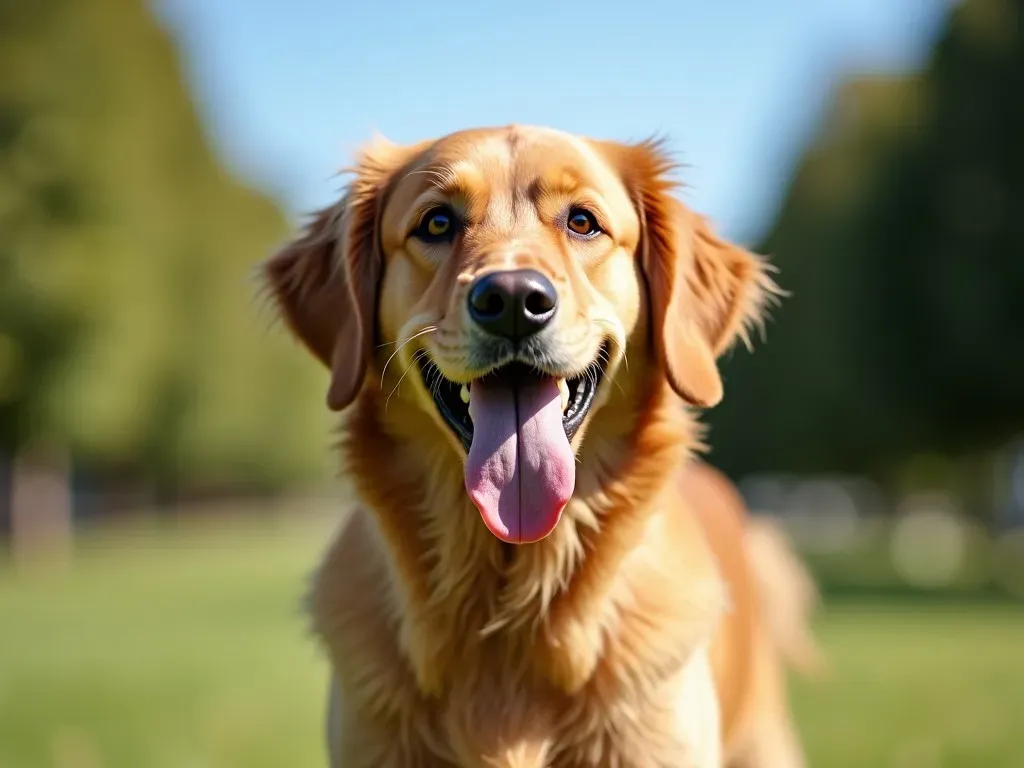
596 645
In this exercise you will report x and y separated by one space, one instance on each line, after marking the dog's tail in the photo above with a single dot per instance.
788 593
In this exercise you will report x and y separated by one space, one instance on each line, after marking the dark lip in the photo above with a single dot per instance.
448 401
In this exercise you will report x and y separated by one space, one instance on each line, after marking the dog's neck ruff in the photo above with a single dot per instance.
458 593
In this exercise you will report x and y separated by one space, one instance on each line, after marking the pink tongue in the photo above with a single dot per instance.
521 471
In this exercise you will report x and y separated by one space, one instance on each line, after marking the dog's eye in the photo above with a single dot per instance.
582 222
436 226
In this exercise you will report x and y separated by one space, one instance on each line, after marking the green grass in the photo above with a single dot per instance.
917 686
187 649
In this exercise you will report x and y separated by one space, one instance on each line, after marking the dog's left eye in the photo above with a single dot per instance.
438 225
582 222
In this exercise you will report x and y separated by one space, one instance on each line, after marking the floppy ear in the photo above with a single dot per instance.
704 292
325 282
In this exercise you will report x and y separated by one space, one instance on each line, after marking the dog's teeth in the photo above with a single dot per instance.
464 394
563 390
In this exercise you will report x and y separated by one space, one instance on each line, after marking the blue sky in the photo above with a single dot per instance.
289 89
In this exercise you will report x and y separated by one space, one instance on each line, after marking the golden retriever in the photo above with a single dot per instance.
519 324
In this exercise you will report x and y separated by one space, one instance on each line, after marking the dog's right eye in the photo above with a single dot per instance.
438 225
583 223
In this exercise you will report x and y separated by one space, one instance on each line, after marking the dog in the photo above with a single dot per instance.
519 326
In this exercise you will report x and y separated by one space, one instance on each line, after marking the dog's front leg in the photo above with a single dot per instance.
334 727
354 741
697 712
525 754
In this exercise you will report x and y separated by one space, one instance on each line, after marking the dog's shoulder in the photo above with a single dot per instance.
352 605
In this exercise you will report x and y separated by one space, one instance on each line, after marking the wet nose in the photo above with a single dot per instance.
512 304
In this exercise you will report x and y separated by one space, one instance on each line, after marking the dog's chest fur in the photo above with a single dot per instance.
613 687
576 652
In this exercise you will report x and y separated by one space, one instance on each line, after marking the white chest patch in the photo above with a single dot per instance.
697 718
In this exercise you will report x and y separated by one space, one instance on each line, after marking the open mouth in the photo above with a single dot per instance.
452 399
516 424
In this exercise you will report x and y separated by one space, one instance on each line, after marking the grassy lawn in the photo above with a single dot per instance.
917 687
187 649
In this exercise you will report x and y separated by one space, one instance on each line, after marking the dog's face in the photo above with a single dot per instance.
511 269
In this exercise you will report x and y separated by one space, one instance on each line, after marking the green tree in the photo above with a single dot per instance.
129 332
901 238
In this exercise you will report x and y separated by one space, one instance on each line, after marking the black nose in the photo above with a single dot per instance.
513 304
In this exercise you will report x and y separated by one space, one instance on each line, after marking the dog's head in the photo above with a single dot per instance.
512 270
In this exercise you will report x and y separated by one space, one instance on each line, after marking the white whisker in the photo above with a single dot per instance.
428 329
435 385
615 340
415 358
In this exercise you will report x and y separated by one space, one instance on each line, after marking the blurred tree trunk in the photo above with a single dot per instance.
41 508
5 500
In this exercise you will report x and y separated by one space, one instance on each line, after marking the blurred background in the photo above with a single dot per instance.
166 478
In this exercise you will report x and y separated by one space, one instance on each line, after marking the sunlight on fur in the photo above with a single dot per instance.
519 325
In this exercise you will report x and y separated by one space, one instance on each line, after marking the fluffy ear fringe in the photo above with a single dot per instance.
324 283
705 293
